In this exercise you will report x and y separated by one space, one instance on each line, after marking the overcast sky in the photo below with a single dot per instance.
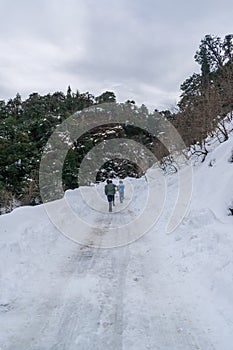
140 49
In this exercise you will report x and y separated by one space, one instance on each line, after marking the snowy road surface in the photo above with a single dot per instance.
163 291
157 293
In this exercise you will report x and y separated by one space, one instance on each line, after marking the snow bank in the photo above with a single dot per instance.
213 181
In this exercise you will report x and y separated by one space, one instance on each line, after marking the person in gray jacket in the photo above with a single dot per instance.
110 190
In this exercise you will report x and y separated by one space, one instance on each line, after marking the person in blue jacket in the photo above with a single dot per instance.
121 190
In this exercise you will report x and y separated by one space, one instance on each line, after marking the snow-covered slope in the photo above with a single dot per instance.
163 291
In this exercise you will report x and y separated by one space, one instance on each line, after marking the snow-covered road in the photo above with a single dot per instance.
147 295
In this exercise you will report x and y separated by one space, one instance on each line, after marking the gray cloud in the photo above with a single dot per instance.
140 50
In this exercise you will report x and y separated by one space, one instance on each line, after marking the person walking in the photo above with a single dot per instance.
121 190
110 190
115 186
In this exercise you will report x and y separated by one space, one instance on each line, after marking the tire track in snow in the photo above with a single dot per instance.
79 322
62 326
112 304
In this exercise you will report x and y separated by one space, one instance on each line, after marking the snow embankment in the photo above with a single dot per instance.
213 181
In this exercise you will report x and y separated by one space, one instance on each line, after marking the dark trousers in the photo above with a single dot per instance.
110 201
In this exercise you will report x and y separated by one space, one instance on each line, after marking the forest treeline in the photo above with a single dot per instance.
204 109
